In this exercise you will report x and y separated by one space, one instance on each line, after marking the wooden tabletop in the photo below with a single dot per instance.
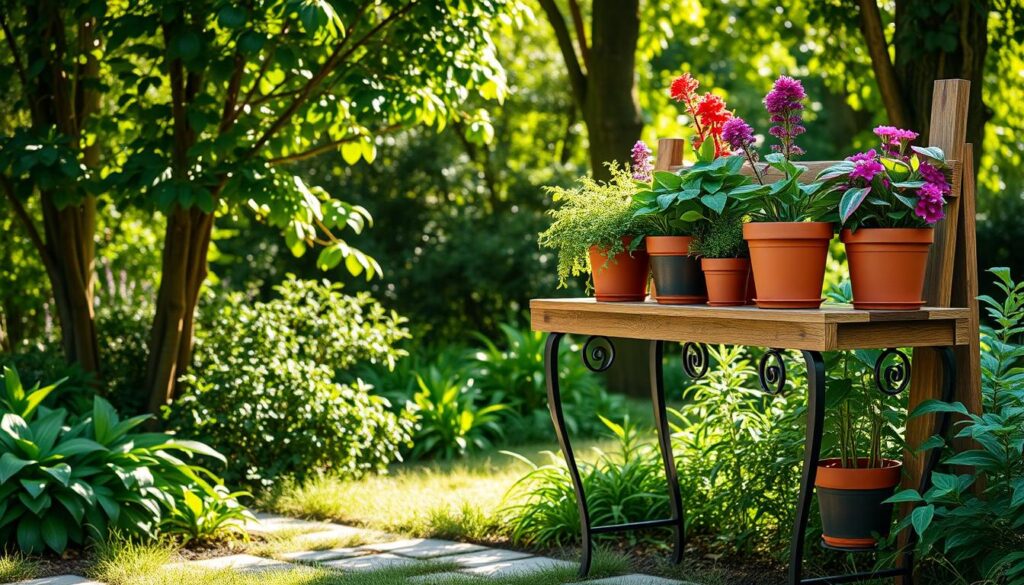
829 328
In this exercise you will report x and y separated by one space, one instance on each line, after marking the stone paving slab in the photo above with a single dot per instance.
488 556
240 563
370 562
519 567
320 556
271 523
339 532
59 580
634 579
429 548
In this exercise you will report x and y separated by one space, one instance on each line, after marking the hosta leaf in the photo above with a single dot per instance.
104 417
61 472
29 538
53 532
11 464
72 504
37 505
77 446
34 486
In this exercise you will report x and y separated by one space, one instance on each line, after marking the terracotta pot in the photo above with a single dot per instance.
788 259
622 279
677 275
727 281
887 266
850 502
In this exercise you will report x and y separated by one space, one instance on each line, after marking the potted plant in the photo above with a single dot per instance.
853 487
890 199
671 201
723 258
788 242
596 230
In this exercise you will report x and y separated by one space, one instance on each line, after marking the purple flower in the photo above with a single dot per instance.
784 103
930 203
934 176
895 140
738 134
866 166
642 166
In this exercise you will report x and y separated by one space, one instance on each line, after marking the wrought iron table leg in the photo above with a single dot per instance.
665 445
812 452
558 419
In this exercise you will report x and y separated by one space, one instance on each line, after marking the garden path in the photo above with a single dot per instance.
468 563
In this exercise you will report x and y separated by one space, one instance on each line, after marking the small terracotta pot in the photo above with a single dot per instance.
887 266
677 275
850 502
622 279
788 259
727 281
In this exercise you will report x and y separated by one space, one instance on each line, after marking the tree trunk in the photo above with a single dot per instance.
186 243
611 110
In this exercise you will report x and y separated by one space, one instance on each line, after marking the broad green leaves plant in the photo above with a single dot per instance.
203 516
449 421
974 522
788 199
64 482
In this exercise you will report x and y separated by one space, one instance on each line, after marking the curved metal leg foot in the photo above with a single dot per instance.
812 452
665 445
558 419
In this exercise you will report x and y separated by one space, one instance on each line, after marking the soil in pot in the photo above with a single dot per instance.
850 502
788 259
726 280
887 266
623 278
677 275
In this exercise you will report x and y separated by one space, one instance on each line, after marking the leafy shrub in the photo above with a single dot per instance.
973 523
626 486
448 421
515 370
40 367
204 517
263 386
64 481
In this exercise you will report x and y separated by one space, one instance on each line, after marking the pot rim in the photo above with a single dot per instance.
924 235
830 475
668 245
725 264
788 230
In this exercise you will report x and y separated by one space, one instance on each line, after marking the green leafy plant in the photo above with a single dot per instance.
972 524
67 482
205 517
594 213
264 387
449 420
787 199
625 486
719 237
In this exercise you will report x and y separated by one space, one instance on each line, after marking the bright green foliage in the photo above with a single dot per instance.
514 370
19 400
787 199
979 536
594 213
17 567
204 517
64 481
264 384
719 237
448 421
36 367
626 486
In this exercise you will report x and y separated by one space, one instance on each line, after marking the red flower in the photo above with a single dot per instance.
711 111
683 88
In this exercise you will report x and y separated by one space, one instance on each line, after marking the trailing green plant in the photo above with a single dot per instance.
594 213
264 384
625 486
719 237
65 482
972 524
449 420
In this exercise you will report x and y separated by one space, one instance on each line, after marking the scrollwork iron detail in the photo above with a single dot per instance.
772 376
892 372
695 360
598 353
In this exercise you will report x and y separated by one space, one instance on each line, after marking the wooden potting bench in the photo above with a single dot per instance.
943 336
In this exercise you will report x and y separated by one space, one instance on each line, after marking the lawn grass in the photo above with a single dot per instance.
16 567
458 499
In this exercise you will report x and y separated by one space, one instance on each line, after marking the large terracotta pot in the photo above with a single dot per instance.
727 281
850 502
788 259
677 275
623 278
887 266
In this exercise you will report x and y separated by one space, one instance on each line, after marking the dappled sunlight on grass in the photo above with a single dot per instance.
16 567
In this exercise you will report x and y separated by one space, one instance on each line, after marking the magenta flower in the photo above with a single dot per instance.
866 166
784 103
934 176
738 134
930 203
895 140
642 166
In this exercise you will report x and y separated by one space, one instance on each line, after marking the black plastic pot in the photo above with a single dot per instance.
850 503
678 278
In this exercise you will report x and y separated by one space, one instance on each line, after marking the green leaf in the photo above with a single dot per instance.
29 538
930 151
904 496
232 17
77 446
715 202
851 201
329 257
34 487
104 417
12 382
933 406
921 518
54 534
184 46
707 151
351 152
974 457
11 464
61 472
668 180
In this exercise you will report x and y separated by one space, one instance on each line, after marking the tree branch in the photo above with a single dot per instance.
318 150
340 54
30 226
229 115
581 32
881 63
577 79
